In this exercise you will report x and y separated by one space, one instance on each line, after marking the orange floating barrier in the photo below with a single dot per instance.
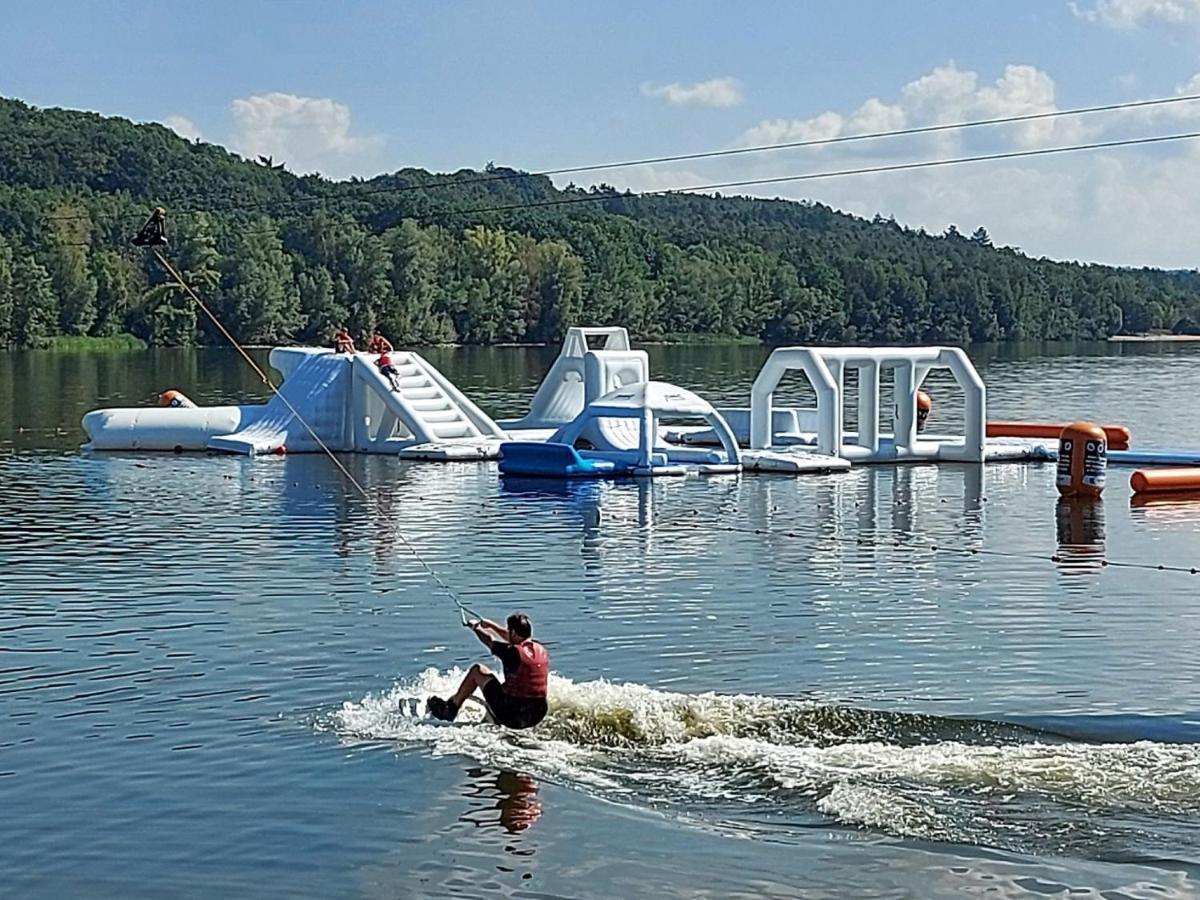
1118 436
1165 481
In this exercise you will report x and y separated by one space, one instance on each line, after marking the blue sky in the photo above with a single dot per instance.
360 88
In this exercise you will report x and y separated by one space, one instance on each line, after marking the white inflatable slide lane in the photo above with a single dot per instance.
317 387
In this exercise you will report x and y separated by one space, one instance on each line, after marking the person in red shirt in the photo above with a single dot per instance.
379 344
342 342
389 370
520 700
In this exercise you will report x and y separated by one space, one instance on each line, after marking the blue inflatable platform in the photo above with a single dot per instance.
550 460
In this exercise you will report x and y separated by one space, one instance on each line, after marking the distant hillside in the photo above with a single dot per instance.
287 258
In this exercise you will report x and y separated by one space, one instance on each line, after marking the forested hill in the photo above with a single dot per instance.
492 256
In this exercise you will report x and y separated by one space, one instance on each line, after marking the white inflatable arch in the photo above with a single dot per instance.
825 368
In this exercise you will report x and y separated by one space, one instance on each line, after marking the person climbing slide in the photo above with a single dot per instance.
387 369
520 700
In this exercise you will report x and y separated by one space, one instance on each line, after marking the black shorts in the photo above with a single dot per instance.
513 712
389 370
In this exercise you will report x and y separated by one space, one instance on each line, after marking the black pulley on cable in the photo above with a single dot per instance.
154 232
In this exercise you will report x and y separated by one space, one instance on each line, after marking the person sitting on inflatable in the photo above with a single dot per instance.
342 342
379 344
520 700
390 371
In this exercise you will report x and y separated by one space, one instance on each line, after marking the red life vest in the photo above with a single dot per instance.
531 678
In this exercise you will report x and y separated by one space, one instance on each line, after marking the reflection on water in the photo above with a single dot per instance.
505 799
1079 528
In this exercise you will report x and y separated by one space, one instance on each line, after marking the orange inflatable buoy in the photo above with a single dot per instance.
1082 460
1117 436
1165 481
175 399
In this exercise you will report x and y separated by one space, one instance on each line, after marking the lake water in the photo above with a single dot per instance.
767 686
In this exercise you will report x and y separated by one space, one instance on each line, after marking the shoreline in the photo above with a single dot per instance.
1153 338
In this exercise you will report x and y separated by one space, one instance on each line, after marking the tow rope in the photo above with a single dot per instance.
153 236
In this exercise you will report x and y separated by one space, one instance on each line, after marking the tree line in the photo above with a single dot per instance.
499 256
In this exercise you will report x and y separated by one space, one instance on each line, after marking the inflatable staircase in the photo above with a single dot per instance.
427 414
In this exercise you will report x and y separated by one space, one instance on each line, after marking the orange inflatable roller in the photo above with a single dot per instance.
1117 436
1165 481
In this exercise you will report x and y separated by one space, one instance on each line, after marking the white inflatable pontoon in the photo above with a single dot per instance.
598 394
344 398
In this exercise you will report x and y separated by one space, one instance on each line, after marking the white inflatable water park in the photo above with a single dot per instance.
597 413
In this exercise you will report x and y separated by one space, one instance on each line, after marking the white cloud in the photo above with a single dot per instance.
714 92
874 116
789 131
184 127
945 95
1131 13
1021 91
307 133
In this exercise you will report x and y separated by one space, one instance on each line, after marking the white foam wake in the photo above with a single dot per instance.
882 770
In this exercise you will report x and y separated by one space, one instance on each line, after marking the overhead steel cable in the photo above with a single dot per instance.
813 176
610 196
808 143
706 154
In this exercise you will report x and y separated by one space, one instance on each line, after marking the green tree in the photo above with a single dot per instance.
117 290
366 265
261 304
75 285
420 268
555 290
494 288
35 318
6 293
319 305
